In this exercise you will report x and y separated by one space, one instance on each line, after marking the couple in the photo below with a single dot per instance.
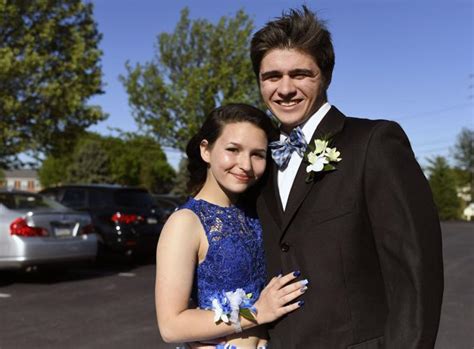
342 204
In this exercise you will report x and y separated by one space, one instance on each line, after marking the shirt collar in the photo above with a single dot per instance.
309 126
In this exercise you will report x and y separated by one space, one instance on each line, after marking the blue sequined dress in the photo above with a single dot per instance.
235 258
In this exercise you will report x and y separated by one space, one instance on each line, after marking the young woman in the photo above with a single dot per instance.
211 249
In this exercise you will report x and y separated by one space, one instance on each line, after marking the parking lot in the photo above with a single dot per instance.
111 305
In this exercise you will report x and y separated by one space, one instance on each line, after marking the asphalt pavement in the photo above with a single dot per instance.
111 305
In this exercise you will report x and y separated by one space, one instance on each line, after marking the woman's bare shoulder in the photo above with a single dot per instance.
182 218
184 223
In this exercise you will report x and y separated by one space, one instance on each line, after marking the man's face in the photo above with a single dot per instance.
291 86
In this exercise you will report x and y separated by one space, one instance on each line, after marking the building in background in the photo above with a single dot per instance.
21 180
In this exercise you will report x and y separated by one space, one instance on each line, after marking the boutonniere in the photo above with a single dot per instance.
321 158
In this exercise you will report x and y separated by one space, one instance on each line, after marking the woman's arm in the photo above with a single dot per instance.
176 259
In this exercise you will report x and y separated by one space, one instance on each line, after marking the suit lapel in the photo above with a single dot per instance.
331 124
271 195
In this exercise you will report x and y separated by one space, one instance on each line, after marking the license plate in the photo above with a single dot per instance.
151 220
61 232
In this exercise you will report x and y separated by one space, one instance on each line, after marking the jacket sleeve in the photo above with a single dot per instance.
408 238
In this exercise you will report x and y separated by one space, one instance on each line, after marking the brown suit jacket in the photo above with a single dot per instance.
367 237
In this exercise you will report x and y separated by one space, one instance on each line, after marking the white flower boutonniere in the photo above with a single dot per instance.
321 158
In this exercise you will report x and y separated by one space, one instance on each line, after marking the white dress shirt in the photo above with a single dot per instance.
287 176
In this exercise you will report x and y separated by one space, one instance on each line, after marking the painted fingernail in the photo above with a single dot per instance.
304 282
303 289
301 303
297 273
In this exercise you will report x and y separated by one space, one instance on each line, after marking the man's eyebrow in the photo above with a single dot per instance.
298 71
270 73
302 71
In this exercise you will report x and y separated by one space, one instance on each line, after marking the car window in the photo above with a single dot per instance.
100 198
16 201
50 194
166 204
133 198
75 198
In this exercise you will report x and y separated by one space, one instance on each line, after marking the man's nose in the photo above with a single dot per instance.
287 87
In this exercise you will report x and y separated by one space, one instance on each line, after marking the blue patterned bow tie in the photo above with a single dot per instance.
281 150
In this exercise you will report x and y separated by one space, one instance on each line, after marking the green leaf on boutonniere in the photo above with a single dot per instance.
309 178
329 167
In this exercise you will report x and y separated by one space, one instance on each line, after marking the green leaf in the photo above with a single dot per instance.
246 313
329 167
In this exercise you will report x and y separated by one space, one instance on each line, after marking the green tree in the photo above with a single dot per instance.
127 160
49 68
196 68
180 182
463 154
53 171
464 150
90 164
140 161
443 185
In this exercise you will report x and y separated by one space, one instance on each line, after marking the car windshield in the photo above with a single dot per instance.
20 201
133 198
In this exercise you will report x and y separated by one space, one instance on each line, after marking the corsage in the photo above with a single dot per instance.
228 306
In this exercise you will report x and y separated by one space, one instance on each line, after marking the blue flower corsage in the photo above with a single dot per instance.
227 307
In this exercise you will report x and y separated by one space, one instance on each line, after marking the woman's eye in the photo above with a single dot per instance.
232 150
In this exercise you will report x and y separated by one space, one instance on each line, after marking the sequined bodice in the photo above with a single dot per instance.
235 257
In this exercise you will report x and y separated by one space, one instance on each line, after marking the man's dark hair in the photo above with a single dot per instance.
300 30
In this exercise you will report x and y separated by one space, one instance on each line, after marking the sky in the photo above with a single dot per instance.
410 61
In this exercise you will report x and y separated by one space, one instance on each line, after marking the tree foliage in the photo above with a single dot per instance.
196 68
49 68
180 183
443 185
133 161
463 154
54 171
90 164
464 150
140 161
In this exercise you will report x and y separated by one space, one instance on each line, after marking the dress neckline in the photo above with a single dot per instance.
231 207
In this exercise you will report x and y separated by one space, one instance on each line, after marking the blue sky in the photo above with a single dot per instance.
404 60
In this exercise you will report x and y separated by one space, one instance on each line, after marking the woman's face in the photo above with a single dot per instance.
237 158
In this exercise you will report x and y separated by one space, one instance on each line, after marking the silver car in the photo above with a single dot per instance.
35 230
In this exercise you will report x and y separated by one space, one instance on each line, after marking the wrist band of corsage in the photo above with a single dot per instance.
228 306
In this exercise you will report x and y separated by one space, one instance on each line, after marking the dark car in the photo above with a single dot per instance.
126 219
168 203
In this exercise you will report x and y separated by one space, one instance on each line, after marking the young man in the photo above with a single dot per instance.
359 223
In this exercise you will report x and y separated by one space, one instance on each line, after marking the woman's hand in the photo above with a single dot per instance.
274 299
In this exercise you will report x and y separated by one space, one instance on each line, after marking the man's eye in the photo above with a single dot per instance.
300 76
271 78
232 150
